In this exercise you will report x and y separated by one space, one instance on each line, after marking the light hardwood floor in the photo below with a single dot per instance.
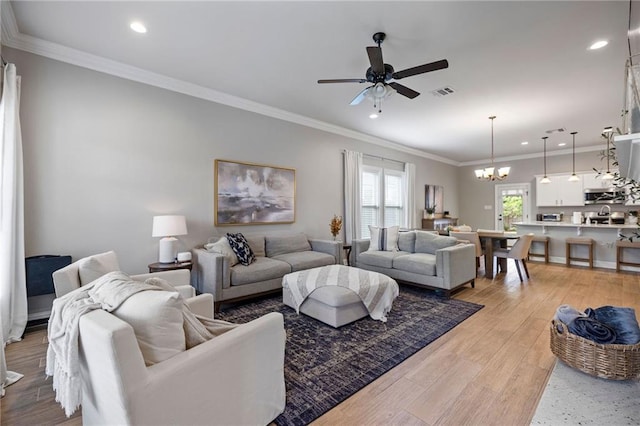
489 370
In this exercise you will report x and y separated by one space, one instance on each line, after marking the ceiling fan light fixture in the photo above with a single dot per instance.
381 74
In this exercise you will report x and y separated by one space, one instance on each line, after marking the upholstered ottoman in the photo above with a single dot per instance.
338 295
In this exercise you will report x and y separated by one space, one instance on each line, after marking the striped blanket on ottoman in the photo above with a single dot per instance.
377 291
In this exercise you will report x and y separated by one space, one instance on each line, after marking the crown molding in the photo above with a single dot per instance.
535 155
11 37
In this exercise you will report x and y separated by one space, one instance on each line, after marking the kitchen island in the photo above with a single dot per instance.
605 237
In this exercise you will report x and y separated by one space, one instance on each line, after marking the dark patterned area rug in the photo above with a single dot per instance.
324 365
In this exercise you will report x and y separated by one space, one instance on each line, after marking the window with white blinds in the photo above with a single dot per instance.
382 198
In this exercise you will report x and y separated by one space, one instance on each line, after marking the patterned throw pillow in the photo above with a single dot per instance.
384 239
241 248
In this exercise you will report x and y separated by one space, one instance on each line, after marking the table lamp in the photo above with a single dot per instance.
168 227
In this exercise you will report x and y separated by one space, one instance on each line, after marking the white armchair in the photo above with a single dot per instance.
87 269
236 378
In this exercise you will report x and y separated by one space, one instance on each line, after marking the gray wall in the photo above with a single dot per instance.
474 193
103 155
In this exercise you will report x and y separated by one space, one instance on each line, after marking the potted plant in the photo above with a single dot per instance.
335 226
431 210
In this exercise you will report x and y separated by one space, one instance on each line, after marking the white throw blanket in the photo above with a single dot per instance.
62 354
377 291
107 292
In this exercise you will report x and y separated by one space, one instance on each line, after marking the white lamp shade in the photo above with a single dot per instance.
169 226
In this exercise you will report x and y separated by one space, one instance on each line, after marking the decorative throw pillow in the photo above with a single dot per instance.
156 319
289 243
93 267
426 242
241 248
384 239
256 242
222 247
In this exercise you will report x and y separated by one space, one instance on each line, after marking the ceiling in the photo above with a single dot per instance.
528 63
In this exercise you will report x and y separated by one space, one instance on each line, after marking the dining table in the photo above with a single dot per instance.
489 239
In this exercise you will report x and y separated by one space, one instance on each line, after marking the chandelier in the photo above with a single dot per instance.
488 173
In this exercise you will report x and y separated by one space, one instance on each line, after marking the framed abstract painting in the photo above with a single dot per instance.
253 194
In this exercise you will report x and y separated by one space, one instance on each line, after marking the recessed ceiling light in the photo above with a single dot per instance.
524 143
373 116
598 44
561 144
138 27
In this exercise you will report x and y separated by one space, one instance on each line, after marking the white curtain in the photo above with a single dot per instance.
352 198
13 287
410 196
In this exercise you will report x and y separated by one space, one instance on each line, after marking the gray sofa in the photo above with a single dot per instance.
422 258
276 255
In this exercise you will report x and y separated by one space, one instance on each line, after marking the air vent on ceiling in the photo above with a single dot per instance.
444 91
560 130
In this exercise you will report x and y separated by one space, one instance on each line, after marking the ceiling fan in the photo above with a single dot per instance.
380 73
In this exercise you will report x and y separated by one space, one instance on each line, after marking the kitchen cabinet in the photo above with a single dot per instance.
593 181
559 192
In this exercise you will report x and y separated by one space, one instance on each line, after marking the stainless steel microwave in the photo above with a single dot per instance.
603 196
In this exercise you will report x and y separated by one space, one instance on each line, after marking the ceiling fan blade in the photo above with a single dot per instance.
404 90
360 96
344 80
421 69
375 58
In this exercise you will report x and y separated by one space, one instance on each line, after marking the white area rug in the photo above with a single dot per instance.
575 398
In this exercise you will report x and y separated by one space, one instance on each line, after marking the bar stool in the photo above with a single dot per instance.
579 241
545 245
620 246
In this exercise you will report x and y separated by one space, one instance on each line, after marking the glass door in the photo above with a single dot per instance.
512 205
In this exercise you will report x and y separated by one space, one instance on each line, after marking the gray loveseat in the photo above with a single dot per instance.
422 258
276 256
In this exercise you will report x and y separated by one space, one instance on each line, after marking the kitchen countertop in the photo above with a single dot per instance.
584 225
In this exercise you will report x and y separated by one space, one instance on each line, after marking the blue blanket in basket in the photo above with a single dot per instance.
592 329
622 320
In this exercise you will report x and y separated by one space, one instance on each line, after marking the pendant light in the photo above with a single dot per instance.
574 177
488 172
608 131
545 179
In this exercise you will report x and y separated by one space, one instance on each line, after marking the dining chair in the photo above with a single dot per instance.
473 238
518 253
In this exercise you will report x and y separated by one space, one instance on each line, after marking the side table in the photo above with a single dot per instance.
159 267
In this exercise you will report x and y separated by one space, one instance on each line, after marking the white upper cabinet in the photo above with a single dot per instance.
592 181
560 191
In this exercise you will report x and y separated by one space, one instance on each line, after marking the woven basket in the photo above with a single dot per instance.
617 362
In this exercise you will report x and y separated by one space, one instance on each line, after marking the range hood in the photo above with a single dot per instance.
628 155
